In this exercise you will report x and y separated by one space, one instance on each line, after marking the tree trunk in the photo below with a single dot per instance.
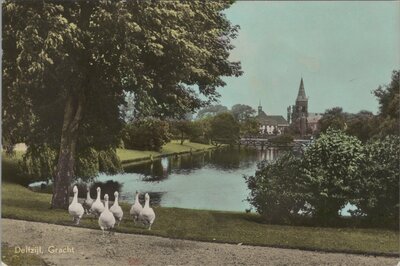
66 159
182 139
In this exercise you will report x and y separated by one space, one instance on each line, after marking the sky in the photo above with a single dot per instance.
343 51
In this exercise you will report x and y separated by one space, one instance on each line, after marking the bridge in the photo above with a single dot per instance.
267 143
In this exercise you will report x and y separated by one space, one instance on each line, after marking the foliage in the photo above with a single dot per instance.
331 167
202 131
249 127
185 129
11 170
212 110
146 134
276 189
333 118
363 125
89 163
39 162
389 106
242 112
224 129
67 67
378 187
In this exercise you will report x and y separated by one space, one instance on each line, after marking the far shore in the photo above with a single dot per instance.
133 157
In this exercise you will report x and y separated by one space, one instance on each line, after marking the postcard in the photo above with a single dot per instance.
200 132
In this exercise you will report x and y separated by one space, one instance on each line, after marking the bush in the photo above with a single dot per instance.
331 168
378 189
277 189
146 134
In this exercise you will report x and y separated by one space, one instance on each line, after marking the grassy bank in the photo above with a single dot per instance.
174 147
229 227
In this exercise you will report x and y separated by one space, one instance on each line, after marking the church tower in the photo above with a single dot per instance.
300 110
259 108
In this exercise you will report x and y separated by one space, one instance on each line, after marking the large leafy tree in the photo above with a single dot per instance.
333 118
389 106
68 64
212 110
242 112
224 129
363 125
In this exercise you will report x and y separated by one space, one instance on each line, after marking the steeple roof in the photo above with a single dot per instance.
301 96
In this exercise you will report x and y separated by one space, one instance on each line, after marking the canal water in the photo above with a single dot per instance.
211 180
207 180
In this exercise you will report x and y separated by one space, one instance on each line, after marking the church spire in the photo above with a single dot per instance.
301 96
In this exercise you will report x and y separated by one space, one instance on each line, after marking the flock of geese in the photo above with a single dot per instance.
108 217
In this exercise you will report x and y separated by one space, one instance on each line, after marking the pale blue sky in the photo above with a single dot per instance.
343 50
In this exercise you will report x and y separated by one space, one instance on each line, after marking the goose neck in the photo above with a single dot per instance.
116 201
98 195
75 200
146 204
106 204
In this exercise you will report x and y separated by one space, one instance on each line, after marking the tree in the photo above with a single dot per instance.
377 193
201 131
362 125
224 129
277 188
67 66
212 110
389 102
249 127
184 129
333 118
146 134
331 168
242 112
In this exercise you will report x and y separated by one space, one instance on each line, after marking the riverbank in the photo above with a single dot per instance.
11 173
91 248
129 157
211 226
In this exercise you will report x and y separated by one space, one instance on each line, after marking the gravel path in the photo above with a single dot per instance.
89 247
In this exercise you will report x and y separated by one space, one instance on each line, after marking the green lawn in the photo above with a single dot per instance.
231 227
173 147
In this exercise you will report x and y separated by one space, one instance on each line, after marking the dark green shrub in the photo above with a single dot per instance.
378 189
331 166
277 188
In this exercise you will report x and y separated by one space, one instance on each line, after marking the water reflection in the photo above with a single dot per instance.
206 180
220 160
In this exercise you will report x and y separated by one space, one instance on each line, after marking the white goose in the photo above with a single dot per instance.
97 206
106 218
147 215
136 208
75 208
87 204
116 209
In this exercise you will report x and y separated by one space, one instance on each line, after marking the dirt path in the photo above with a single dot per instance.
89 247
